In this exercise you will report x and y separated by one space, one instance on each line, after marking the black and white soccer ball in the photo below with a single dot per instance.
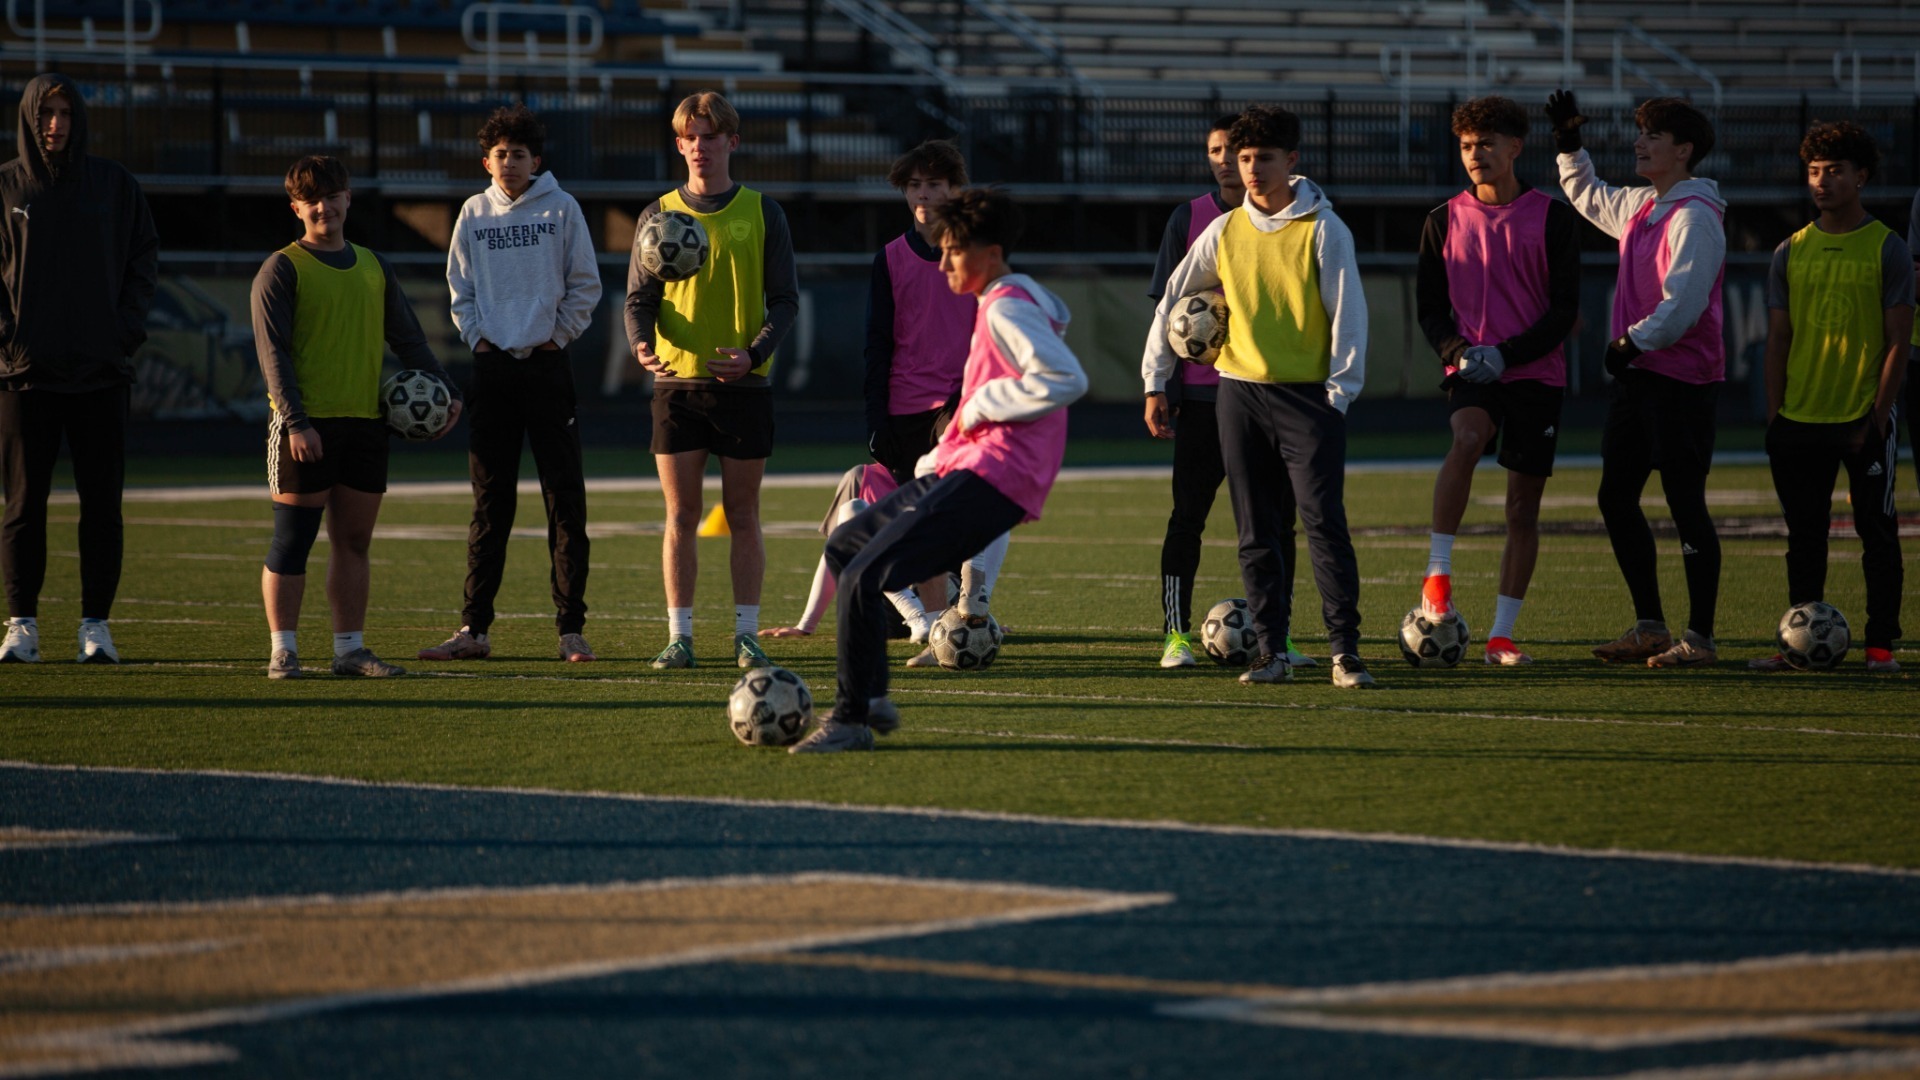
1434 643
963 642
1814 636
769 706
1227 633
1197 327
417 404
673 245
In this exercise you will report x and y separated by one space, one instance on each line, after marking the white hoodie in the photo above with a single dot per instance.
1340 291
522 271
1033 337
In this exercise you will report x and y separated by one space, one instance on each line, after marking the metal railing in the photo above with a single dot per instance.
1673 56
480 28
1845 58
88 35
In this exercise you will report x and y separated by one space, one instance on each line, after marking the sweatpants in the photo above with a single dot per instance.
1654 422
1805 459
529 400
1197 473
928 525
1285 451
31 425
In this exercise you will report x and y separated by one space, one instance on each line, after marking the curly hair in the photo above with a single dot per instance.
1491 115
1265 126
514 124
979 216
1679 119
936 159
1841 140
315 177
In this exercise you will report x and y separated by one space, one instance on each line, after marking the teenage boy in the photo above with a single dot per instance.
1667 360
322 310
1184 412
1295 361
1910 404
1498 292
708 341
993 466
1840 312
79 258
524 283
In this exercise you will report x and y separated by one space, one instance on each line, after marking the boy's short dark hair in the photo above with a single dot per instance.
1841 140
1223 122
315 177
1491 115
514 124
1679 119
936 159
1264 126
979 216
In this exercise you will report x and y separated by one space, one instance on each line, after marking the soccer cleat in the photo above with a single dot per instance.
1693 651
575 650
1350 672
677 654
22 645
1436 596
747 652
883 716
461 646
1502 651
1776 662
918 627
96 644
1647 638
362 663
284 665
923 658
1178 652
1296 658
832 737
1881 661
1267 668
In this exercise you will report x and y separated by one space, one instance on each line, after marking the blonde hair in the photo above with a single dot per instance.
707 105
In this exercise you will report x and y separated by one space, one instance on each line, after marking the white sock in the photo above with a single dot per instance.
680 621
907 603
820 598
1506 612
979 574
283 639
347 642
1440 554
746 619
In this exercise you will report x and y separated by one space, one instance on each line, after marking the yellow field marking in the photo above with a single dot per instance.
1076 980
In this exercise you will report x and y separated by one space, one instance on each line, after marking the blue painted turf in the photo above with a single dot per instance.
1254 909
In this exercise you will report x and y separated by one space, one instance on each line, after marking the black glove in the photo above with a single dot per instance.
1564 113
1621 351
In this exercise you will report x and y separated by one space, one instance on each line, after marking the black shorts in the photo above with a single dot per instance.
909 436
730 423
1661 423
353 453
1526 411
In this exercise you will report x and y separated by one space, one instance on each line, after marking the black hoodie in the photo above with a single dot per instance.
78 259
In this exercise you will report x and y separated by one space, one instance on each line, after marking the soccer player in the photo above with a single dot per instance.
79 259
524 283
1840 313
1498 292
993 468
1667 360
709 341
322 309
1184 412
1294 362
1910 405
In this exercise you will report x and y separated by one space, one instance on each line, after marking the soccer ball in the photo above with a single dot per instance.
769 706
1227 633
1197 327
1814 636
417 403
1433 643
964 642
673 245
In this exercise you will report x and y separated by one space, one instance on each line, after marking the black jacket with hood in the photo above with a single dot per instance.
79 258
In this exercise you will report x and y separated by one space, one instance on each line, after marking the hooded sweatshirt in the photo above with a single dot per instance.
1336 281
522 271
79 259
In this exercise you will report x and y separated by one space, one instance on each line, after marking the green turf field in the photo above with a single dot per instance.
1075 719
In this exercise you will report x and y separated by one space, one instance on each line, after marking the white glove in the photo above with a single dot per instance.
1482 364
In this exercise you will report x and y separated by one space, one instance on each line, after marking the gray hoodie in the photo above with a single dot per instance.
522 271
1032 336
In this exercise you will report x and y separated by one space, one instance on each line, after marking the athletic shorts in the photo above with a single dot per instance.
1525 411
1661 422
353 453
910 435
732 424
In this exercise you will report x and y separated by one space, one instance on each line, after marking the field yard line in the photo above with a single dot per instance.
1008 817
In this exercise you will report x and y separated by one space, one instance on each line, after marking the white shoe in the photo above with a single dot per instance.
22 645
96 645
918 628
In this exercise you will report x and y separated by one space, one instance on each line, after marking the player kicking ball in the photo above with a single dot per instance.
1498 292
993 466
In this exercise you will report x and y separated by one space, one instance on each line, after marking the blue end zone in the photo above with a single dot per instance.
1248 909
